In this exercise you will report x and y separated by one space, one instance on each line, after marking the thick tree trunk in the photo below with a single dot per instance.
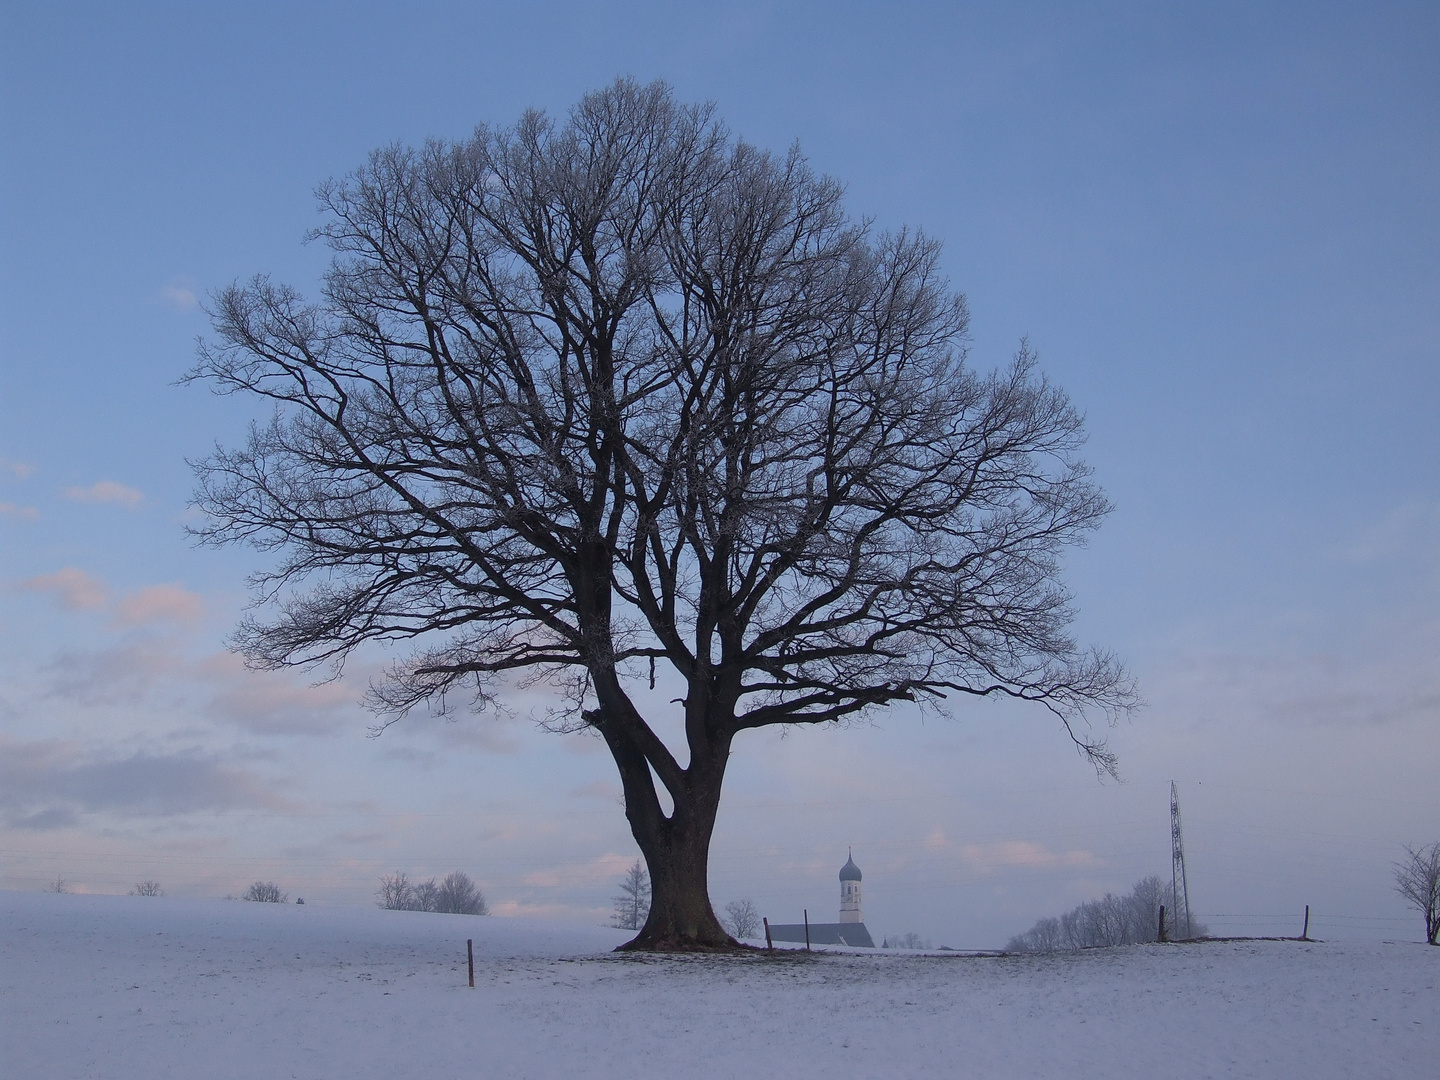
677 852
681 918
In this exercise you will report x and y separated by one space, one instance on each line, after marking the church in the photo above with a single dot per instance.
850 930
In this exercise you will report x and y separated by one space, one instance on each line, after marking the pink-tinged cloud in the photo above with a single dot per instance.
107 491
24 513
600 789
156 603
606 868
180 296
275 703
47 784
987 858
20 470
526 909
75 589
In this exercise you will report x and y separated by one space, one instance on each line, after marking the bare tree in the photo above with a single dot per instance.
741 919
583 398
425 896
395 892
265 892
147 888
632 902
458 895
59 885
1417 879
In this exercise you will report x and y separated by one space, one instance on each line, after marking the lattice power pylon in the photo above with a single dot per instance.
1179 889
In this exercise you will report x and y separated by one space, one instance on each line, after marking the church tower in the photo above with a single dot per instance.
850 892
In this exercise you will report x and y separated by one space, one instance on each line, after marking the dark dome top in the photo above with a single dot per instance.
850 872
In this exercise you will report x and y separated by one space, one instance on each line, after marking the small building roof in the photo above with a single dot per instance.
853 934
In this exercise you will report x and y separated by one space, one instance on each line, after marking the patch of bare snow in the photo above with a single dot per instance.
95 986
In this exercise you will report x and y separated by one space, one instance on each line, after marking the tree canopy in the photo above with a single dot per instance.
579 398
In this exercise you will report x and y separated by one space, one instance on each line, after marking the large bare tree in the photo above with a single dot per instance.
583 397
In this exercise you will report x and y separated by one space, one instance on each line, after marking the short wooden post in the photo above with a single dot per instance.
807 928
1162 922
768 943
470 956
1305 934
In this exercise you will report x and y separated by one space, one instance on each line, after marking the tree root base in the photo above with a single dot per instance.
673 943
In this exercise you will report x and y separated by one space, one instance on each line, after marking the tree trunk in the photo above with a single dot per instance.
681 918
677 852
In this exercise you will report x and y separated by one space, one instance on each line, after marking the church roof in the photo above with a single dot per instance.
850 872
853 934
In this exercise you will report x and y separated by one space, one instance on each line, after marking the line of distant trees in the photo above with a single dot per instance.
1109 921
456 894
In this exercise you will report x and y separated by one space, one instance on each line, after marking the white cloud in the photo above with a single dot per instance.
107 491
75 589
25 513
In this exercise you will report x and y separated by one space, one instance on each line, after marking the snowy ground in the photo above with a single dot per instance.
158 988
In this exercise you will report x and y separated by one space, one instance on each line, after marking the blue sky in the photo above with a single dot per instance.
1216 223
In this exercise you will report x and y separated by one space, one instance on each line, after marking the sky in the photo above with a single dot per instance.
1216 224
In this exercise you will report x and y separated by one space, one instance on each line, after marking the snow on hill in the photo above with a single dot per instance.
100 986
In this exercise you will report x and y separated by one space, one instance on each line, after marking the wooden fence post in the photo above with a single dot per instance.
1305 934
807 928
770 945
470 956
1162 922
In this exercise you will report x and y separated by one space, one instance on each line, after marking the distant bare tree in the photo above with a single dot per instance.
632 902
909 940
395 892
584 397
458 895
1417 879
741 919
425 897
59 885
265 892
147 888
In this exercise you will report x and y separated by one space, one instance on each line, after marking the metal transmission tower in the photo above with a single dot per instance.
1179 889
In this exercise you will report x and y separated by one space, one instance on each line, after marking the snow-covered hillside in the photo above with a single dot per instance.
146 988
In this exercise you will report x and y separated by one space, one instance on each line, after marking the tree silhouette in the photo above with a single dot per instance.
583 398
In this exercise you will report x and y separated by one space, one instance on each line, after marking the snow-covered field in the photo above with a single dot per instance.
156 988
